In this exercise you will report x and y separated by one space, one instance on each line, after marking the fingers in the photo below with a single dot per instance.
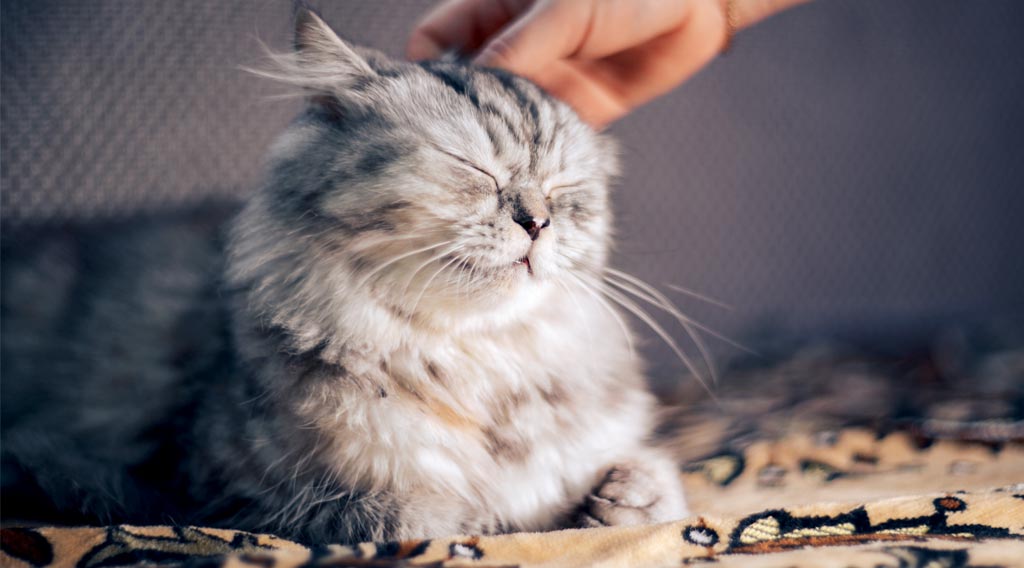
545 30
648 70
750 12
603 57
553 30
545 33
634 76
461 25
573 84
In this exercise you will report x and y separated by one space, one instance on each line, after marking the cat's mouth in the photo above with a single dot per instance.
468 265
525 260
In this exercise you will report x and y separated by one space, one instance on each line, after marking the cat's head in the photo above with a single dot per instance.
441 189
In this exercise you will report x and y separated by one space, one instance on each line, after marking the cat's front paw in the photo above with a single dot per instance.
632 495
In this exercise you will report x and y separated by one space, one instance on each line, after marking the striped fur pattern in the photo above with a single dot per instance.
415 342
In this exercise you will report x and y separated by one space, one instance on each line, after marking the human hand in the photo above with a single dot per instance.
603 57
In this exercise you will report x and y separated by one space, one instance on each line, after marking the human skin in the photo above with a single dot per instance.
603 57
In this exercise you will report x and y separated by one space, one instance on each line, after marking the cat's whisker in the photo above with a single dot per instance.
653 292
466 278
578 306
366 278
702 297
367 242
611 310
473 277
426 285
646 318
429 261
460 276
377 243
661 302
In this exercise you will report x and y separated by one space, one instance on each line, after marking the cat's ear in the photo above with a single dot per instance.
320 50
332 73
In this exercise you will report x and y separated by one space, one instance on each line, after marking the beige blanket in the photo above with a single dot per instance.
781 471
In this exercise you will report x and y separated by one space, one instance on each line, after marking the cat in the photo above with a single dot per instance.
405 333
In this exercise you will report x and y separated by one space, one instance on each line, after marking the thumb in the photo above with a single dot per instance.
548 31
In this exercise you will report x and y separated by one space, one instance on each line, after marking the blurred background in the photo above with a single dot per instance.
852 167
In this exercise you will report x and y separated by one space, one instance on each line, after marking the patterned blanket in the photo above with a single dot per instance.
831 457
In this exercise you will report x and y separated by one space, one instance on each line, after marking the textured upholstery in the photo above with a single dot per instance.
851 162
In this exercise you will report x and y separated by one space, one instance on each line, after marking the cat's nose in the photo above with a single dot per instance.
533 225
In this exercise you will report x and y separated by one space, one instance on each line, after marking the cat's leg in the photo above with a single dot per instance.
370 517
644 488
436 515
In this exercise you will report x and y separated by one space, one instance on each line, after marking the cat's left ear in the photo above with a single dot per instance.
319 50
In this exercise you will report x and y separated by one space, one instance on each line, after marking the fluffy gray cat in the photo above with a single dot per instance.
408 331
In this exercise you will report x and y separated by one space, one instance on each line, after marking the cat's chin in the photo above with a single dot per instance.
507 275
498 273
507 296
524 261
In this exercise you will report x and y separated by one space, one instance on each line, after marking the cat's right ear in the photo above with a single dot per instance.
325 56
332 73
320 50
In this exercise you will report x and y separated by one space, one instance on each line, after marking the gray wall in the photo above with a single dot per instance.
852 163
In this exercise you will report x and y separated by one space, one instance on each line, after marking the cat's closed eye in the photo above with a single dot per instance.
562 190
472 167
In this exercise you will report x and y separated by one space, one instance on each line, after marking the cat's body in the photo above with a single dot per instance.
402 337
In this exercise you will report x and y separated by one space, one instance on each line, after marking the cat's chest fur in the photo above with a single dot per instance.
507 418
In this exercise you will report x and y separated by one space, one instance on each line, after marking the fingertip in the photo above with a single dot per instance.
498 53
420 47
